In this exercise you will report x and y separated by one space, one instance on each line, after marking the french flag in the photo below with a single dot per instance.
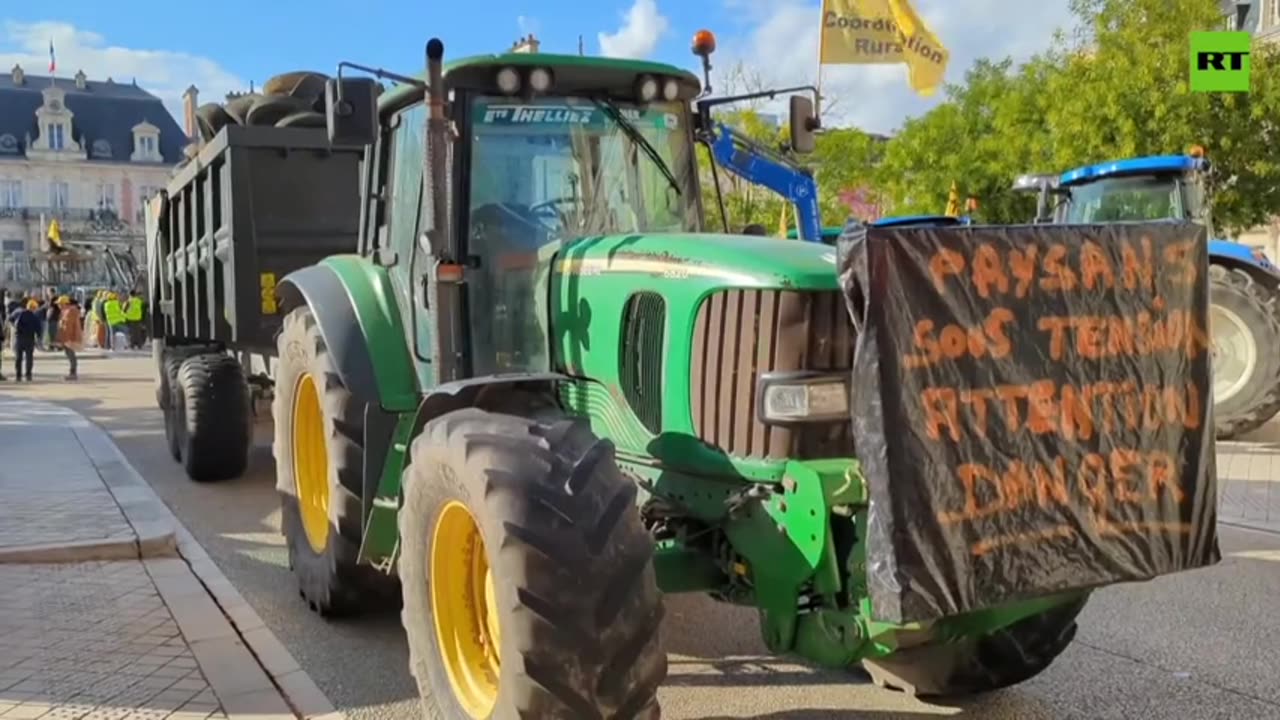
53 61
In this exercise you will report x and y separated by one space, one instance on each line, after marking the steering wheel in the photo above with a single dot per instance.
549 207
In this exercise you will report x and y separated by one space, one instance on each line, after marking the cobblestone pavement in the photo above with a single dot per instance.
68 505
1249 484
94 641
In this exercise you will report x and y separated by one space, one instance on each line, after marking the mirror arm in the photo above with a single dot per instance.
381 75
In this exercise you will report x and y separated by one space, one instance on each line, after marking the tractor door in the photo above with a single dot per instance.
407 259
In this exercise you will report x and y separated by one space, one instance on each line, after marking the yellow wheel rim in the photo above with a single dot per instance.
465 610
311 463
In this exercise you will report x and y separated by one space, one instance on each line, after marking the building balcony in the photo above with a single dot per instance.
63 214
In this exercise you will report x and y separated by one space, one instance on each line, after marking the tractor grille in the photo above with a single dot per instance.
741 334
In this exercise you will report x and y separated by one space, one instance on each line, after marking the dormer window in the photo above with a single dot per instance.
55 135
146 143
55 120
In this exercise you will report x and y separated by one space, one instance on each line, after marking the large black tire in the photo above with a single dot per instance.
981 664
162 379
214 426
174 403
1257 398
164 357
576 595
330 578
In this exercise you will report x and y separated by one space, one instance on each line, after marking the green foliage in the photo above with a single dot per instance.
1117 87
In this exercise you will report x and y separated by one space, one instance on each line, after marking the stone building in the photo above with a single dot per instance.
84 152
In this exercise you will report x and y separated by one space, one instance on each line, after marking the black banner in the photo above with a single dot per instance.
1031 407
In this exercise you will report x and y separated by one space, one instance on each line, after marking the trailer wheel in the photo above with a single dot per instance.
174 423
319 435
528 581
1245 330
214 429
981 664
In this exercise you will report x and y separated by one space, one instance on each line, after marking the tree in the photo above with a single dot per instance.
1116 87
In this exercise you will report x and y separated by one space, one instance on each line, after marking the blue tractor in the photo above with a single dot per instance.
1244 315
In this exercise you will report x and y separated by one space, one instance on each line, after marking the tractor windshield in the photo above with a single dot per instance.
1146 197
560 168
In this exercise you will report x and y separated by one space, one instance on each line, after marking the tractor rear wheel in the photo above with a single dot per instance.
1245 330
212 417
319 451
528 581
971 666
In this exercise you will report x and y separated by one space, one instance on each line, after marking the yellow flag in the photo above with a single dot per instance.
782 222
878 32
953 201
55 234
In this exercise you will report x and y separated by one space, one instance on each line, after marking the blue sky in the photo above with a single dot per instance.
169 45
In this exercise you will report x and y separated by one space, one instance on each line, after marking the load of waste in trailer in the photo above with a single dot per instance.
1031 407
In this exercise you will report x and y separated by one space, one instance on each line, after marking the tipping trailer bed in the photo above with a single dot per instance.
254 205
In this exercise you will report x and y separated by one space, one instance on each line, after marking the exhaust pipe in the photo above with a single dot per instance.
443 244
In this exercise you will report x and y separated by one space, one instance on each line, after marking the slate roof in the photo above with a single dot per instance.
103 111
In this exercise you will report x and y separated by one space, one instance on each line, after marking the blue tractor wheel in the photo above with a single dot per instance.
1244 327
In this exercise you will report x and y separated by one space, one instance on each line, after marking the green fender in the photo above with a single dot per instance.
355 308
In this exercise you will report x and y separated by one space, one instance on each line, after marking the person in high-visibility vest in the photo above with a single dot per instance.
133 316
115 318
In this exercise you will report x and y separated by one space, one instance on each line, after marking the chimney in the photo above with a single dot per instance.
190 99
18 75
80 80
526 45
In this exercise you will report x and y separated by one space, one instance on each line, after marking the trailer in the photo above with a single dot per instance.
255 204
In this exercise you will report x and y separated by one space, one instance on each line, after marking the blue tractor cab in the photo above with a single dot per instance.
1244 315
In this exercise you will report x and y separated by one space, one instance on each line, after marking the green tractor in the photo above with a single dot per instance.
536 391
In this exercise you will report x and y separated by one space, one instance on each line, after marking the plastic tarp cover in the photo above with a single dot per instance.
1031 407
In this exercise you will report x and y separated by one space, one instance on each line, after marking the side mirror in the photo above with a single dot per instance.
351 111
803 124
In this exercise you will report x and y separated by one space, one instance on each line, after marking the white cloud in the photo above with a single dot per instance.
643 26
164 73
782 46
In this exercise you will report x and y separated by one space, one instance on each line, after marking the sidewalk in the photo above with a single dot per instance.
1249 484
109 610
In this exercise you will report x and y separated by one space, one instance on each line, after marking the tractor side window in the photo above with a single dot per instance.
408 146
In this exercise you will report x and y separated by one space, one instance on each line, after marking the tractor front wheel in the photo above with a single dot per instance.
981 664
1245 332
529 589
319 435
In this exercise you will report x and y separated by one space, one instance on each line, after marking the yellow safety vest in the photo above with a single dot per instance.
133 310
115 316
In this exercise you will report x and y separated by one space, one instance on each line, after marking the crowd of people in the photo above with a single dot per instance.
59 322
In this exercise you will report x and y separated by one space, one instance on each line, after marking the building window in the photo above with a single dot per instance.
10 194
106 196
55 136
14 246
146 145
59 195
1229 21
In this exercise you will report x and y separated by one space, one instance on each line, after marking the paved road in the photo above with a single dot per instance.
1204 644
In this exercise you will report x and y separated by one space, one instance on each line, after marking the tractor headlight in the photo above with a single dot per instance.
508 81
798 397
540 80
670 89
646 89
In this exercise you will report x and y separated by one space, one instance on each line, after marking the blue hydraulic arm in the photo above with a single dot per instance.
761 166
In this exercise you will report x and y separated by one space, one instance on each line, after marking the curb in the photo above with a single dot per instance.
250 670
1252 525
134 548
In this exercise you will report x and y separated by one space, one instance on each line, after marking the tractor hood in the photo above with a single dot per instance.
746 261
